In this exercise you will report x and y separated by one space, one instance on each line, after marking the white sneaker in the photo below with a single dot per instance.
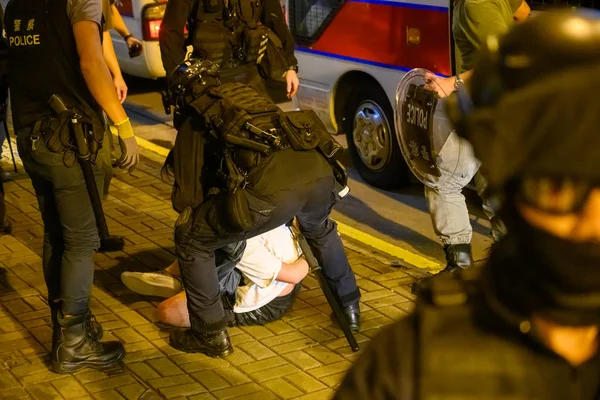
152 283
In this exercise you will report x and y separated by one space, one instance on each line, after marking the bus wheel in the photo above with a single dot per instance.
368 123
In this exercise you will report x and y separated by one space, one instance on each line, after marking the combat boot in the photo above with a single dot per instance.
458 256
211 344
94 328
73 347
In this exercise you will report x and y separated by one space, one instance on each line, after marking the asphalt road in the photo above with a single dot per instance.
398 217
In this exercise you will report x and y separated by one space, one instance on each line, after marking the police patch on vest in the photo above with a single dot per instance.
26 39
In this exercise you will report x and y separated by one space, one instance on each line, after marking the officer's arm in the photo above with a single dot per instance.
385 368
171 38
95 71
273 18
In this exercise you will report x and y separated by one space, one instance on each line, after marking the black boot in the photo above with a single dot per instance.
73 347
458 256
213 345
352 314
94 328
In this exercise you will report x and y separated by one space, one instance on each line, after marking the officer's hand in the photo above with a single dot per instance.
130 156
131 41
121 88
443 86
291 78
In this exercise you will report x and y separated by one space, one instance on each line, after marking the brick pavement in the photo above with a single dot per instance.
301 356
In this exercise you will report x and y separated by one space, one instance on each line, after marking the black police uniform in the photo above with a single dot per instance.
462 343
44 61
217 35
278 187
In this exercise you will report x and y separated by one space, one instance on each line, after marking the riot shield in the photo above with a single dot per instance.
423 130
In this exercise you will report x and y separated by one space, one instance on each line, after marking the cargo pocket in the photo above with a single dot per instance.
298 127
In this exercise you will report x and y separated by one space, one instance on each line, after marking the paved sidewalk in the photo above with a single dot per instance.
301 356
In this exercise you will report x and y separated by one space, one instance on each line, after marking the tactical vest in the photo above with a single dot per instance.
43 60
239 129
465 349
219 33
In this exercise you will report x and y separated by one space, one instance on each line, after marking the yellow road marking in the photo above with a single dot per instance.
408 256
411 258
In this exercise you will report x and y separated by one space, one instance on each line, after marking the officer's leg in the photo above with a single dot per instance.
322 236
66 208
195 245
53 240
447 204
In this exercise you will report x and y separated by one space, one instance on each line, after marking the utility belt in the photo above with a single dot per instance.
58 136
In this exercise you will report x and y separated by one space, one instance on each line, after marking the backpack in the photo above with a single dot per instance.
239 127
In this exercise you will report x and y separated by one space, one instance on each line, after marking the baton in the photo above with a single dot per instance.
315 268
108 243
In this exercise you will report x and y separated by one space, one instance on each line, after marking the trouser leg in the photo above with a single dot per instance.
71 236
322 236
447 204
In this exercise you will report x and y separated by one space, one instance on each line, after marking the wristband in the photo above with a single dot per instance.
127 37
124 129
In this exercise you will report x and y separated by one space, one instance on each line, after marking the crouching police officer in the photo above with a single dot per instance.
248 39
55 51
242 167
526 326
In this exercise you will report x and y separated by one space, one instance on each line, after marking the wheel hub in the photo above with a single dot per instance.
371 135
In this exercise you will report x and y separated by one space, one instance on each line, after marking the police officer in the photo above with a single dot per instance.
228 33
55 49
525 326
270 188
472 22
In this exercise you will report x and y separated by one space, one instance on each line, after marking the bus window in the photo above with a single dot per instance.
309 18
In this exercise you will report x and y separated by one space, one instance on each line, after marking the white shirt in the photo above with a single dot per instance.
260 265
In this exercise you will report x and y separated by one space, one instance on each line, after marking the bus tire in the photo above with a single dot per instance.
368 121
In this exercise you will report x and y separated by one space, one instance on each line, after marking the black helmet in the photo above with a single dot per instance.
189 80
531 105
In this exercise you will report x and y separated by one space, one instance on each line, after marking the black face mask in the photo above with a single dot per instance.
537 272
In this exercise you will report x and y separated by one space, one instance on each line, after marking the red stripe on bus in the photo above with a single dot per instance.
377 33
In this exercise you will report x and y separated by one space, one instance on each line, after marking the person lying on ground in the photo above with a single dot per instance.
266 280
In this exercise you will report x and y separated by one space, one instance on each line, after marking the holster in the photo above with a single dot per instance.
57 133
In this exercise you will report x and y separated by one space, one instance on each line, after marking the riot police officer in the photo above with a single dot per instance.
472 22
241 168
55 52
526 325
246 38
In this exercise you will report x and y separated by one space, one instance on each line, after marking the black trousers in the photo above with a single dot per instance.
70 233
197 237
